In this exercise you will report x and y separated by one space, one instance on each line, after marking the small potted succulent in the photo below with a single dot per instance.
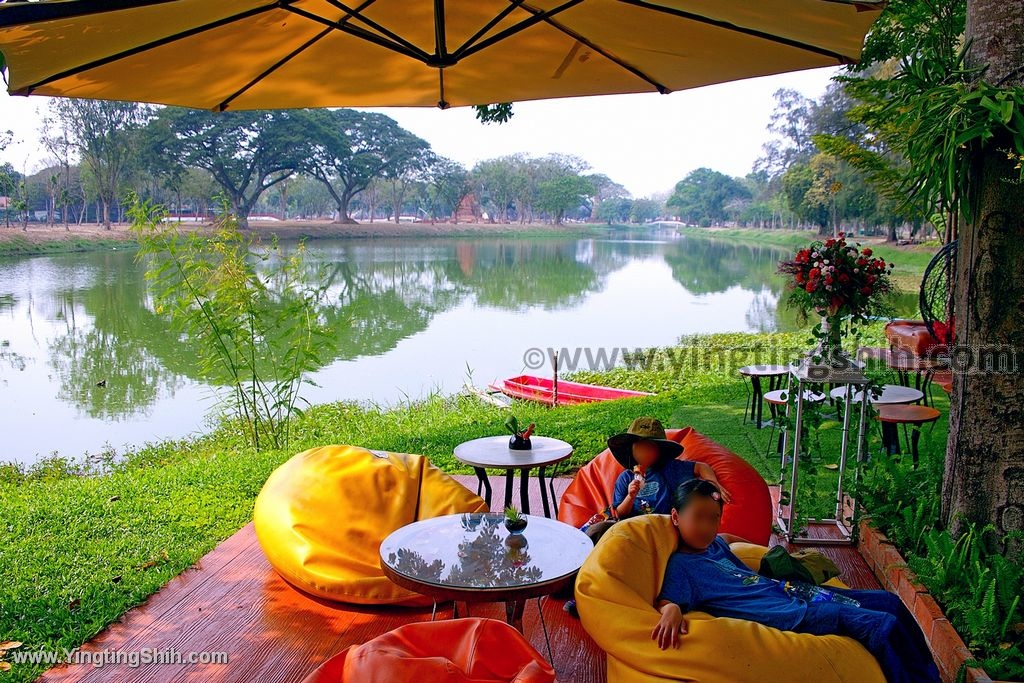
520 440
515 521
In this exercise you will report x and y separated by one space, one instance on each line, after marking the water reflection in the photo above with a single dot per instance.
483 558
80 339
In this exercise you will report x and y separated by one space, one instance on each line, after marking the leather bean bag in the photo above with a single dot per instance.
911 336
453 651
748 516
322 515
615 595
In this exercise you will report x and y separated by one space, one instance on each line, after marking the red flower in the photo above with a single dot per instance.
844 278
866 291
815 272
800 278
867 251
811 286
862 262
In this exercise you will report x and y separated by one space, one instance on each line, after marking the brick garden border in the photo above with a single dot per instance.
890 568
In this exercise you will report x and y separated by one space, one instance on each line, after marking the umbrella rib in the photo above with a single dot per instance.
274 67
21 13
413 51
842 59
664 90
387 33
488 26
535 18
103 61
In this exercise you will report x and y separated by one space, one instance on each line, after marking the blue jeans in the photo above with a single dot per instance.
883 626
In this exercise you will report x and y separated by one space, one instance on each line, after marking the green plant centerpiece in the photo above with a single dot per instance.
520 440
515 521
842 283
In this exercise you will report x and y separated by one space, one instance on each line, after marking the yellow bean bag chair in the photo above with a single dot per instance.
615 595
322 515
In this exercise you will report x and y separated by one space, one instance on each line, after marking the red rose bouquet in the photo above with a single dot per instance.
838 281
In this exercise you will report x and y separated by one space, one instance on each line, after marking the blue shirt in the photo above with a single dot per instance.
717 582
660 484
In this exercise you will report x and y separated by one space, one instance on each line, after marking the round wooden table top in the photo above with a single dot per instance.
779 396
903 414
470 557
493 451
764 370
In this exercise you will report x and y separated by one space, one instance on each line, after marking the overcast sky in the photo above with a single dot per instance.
645 142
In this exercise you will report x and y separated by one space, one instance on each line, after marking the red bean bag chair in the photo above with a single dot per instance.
748 516
453 651
912 337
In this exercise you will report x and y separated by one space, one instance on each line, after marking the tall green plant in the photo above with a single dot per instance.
254 311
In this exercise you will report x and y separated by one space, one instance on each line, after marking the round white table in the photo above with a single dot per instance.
493 452
775 374
892 394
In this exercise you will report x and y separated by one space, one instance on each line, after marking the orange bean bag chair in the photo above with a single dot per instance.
748 516
615 594
453 651
322 515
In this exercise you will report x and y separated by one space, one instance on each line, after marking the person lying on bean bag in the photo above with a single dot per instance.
704 575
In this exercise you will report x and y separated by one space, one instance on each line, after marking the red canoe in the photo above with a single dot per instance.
540 389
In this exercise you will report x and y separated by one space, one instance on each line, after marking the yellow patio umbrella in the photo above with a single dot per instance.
269 54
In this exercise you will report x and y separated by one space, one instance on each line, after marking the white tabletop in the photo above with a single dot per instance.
764 370
892 394
493 451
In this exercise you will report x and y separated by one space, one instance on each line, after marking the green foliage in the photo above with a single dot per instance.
246 152
937 114
494 113
563 193
979 590
702 196
257 330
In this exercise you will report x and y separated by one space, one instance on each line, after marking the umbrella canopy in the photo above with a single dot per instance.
268 54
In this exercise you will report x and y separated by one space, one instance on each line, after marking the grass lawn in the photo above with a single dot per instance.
80 548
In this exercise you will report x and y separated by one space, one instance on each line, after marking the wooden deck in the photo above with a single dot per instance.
232 601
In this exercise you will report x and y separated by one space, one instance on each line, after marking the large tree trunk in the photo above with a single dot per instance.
106 213
343 211
984 478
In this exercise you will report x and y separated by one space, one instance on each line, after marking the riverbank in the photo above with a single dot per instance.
86 542
44 239
909 259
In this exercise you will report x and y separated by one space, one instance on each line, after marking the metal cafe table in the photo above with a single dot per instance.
493 452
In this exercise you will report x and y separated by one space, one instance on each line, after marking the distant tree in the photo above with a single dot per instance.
645 210
350 149
447 184
105 135
562 194
604 188
246 152
791 126
796 185
701 197
494 184
8 184
614 210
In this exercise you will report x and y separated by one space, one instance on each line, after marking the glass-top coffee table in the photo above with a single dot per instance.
472 557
